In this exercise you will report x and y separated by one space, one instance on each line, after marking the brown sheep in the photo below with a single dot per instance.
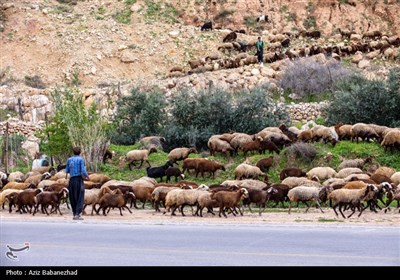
117 199
180 153
230 37
99 178
210 166
50 198
229 200
265 163
18 186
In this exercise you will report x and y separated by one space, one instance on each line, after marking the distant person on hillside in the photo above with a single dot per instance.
76 168
37 162
260 50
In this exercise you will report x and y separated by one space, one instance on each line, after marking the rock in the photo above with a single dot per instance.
267 72
232 78
319 58
122 47
174 34
45 11
31 146
364 64
128 57
373 54
136 8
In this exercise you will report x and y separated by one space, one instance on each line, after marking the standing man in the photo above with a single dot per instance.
77 170
260 50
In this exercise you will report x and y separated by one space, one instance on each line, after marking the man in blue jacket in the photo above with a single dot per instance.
76 168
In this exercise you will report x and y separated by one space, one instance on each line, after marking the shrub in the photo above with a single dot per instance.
140 114
360 100
307 78
303 151
34 82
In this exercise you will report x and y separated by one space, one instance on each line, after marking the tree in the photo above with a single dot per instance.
75 125
360 100
140 114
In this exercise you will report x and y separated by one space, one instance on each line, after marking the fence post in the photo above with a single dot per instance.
6 149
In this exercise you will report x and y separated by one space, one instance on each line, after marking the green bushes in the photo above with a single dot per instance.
194 116
360 100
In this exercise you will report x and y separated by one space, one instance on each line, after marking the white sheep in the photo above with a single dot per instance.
304 194
137 155
322 173
353 197
247 171
215 144
395 178
360 176
92 197
181 197
180 153
343 173
297 181
358 163
16 176
248 184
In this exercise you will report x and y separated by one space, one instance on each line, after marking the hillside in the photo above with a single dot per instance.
102 44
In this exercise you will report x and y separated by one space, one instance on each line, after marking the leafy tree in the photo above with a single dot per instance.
360 100
139 114
75 125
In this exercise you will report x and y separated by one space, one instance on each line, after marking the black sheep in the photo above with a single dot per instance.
159 171
206 26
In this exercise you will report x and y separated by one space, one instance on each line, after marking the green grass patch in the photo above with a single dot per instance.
160 11
327 220
343 150
123 16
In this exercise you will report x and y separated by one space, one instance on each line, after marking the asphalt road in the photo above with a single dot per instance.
133 244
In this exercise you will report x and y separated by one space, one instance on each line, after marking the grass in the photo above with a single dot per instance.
343 150
123 16
327 220
159 11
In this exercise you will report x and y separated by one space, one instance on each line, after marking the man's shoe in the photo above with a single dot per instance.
76 217
79 217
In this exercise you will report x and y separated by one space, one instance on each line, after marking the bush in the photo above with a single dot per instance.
34 82
303 151
307 78
140 114
360 100
195 117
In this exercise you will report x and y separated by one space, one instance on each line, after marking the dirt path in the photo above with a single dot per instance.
391 218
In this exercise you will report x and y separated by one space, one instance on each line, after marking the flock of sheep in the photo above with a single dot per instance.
346 188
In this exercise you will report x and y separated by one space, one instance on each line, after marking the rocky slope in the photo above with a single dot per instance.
108 46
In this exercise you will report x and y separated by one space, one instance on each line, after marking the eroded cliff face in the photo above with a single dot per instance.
109 46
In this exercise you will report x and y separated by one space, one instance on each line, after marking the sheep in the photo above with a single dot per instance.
290 132
142 193
345 172
344 132
363 131
268 145
59 175
210 166
18 186
345 33
42 184
159 171
206 26
380 178
393 195
180 154
230 37
4 194
205 201
291 172
357 163
251 146
239 139
297 181
262 18
248 171
395 178
322 173
304 194
258 197
391 140
191 163
344 197
179 198
386 171
50 198
24 199
92 197
285 43
149 142
137 155
159 194
353 185
265 163
37 178
174 172
90 185
99 178
118 199
373 34
16 176
248 184
277 193
215 144
229 200
334 183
